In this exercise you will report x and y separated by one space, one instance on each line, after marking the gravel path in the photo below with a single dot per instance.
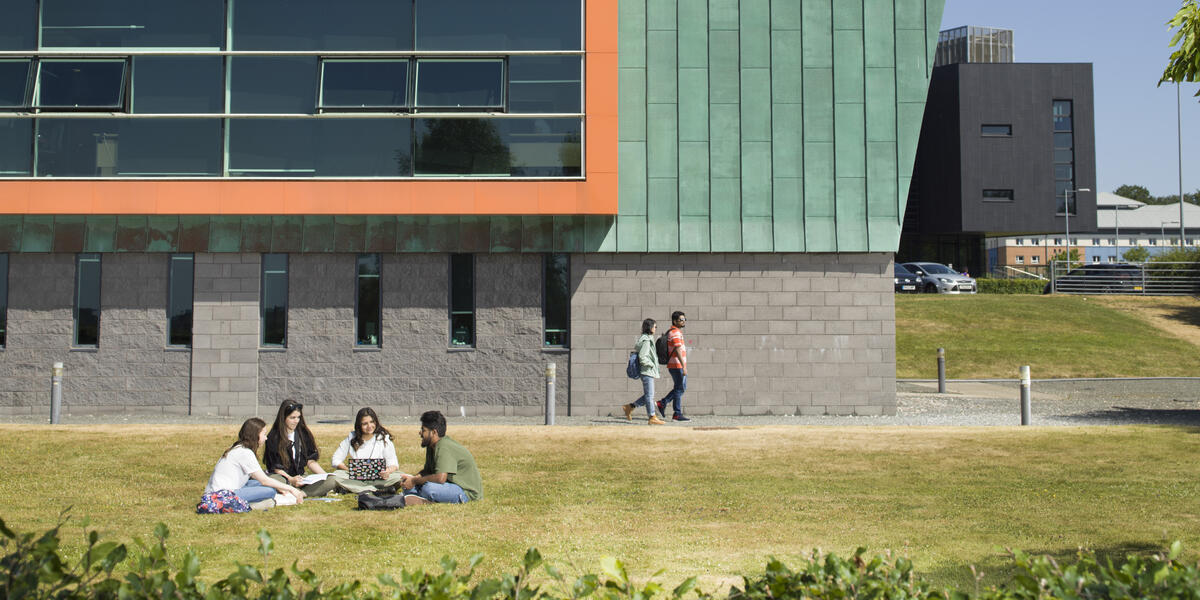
1167 401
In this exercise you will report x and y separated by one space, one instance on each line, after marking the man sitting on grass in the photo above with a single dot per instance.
449 476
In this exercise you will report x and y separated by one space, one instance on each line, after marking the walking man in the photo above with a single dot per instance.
449 475
677 367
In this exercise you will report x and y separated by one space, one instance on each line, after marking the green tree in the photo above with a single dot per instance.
1133 192
1184 64
1136 255
1073 256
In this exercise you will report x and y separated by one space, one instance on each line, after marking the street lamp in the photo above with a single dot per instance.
1067 214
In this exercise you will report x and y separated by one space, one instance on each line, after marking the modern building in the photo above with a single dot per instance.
1003 148
209 207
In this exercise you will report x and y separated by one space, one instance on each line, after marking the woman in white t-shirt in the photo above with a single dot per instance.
370 439
239 472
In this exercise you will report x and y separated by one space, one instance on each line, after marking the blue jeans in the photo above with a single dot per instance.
675 397
647 397
441 493
254 491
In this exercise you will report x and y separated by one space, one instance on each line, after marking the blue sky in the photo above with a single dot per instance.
1126 41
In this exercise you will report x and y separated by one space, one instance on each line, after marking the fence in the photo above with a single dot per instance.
1150 279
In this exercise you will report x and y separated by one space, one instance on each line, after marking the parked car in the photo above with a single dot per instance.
907 282
1116 278
938 278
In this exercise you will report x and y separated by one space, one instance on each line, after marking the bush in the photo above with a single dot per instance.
1010 286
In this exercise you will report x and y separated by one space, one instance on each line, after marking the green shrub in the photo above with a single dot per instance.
1010 286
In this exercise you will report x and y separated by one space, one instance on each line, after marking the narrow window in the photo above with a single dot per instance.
179 300
460 84
87 300
1064 156
364 84
367 317
80 84
14 83
996 130
3 300
1020 260
462 301
997 195
557 294
1035 259
274 299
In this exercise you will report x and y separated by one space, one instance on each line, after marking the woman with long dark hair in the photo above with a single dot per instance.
291 449
238 471
648 369
370 440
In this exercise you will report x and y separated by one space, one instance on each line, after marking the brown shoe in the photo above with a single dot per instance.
654 420
628 408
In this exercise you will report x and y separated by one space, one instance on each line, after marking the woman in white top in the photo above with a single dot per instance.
370 439
239 472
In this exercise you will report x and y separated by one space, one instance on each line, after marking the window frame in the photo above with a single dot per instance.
27 94
409 80
122 106
415 100
171 299
451 312
983 132
358 277
262 299
546 330
998 195
80 259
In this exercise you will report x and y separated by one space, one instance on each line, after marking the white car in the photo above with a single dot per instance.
942 279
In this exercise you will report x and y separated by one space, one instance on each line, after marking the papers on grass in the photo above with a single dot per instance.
314 478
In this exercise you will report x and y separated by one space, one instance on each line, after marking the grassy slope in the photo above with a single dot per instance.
708 503
1058 336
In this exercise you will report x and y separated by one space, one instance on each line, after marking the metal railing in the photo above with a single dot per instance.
1149 279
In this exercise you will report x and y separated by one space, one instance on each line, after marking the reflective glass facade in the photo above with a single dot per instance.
316 64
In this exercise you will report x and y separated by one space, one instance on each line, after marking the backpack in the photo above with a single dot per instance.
662 349
380 501
633 370
221 501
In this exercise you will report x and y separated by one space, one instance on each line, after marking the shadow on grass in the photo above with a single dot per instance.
1127 415
998 568
1189 315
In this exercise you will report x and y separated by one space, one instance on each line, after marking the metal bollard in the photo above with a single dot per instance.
1025 406
551 369
941 370
56 393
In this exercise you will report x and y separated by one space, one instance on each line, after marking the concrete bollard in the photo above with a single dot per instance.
551 369
56 393
1025 404
941 370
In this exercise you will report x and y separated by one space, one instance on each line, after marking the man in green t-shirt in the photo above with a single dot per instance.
449 476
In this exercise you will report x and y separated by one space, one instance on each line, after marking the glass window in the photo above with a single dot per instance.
320 147
1035 259
1063 141
87 300
178 84
132 24
14 83
129 147
80 83
368 318
322 25
1020 260
996 130
998 195
180 279
457 83
557 293
18 28
364 84
273 84
274 299
3 300
462 301
498 147
544 84
16 147
492 25
1065 171
1062 108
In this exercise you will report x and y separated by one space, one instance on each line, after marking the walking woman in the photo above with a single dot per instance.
648 367
291 449
238 471
369 440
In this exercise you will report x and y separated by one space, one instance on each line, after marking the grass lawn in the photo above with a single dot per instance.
693 502
1057 336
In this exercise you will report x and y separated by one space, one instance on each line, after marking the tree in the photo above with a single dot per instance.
1136 255
1074 257
1184 64
1133 192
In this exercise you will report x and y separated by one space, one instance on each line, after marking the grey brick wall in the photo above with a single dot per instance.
130 370
767 333
225 334
413 370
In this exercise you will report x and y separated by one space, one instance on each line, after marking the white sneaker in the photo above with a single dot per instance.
263 504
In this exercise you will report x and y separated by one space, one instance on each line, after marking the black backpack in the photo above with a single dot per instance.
663 351
380 501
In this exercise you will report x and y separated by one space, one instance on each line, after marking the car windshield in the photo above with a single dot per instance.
937 269
902 272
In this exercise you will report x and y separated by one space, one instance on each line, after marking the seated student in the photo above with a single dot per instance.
449 475
238 471
291 448
370 439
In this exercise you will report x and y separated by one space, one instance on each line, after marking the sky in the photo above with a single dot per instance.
1127 43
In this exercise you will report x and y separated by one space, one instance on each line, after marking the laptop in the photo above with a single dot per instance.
366 469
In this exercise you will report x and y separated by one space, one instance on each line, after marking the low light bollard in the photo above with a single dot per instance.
56 393
1025 405
550 376
941 370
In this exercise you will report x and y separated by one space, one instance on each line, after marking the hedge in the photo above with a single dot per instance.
32 567
1010 286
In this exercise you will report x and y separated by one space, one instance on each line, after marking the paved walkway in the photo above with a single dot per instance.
966 403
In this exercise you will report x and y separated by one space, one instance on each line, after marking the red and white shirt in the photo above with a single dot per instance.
678 357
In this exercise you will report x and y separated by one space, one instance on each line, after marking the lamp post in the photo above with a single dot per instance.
1179 136
1067 214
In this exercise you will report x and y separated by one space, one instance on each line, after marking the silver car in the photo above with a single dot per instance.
941 279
